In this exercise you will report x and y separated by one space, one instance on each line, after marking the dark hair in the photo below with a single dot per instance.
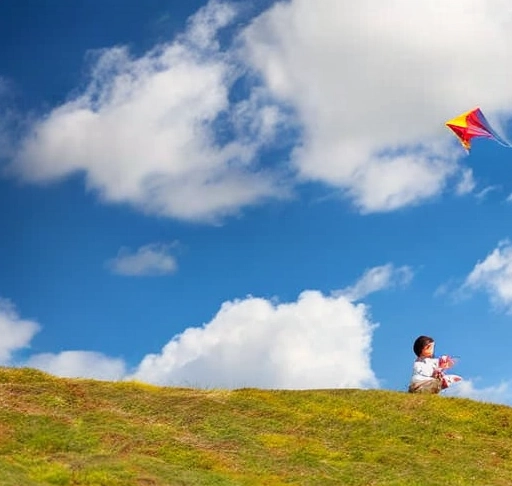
420 343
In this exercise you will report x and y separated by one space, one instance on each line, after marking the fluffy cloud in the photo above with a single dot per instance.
315 342
372 84
501 393
149 260
494 276
159 131
79 364
378 278
16 332
356 94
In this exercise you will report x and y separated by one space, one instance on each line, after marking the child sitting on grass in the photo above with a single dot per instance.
428 374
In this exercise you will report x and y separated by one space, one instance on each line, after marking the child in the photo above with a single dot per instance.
428 372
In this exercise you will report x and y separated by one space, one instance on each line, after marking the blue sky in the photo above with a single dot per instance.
219 194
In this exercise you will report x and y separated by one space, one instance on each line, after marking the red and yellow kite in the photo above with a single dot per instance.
473 124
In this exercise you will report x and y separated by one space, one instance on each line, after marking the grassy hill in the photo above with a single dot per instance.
56 431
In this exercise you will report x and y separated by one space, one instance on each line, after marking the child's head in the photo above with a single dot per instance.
424 346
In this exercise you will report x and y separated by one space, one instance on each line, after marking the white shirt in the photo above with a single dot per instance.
424 369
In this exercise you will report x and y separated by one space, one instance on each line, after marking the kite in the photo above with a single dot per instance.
473 124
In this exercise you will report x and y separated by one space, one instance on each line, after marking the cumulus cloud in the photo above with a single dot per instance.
159 131
16 332
315 342
372 84
79 364
149 260
493 275
501 393
378 278
353 96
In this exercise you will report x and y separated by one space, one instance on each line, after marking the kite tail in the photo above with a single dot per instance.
503 142
497 137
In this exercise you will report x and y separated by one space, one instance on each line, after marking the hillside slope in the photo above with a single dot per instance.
56 431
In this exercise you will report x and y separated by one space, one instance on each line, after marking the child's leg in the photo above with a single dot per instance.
433 385
449 380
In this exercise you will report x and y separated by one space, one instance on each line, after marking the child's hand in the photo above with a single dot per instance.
446 362
438 373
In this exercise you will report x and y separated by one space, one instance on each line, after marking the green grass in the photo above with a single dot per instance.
62 432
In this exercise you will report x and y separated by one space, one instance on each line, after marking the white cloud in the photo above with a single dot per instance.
501 393
361 90
494 276
481 195
315 342
378 278
79 364
158 131
370 86
149 260
203 26
466 183
373 83
16 332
